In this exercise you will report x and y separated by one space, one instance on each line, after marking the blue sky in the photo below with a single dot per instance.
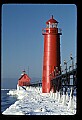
22 39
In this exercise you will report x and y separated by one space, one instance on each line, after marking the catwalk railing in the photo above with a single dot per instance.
66 78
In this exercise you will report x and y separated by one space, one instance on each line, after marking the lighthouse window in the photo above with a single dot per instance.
55 25
52 25
47 25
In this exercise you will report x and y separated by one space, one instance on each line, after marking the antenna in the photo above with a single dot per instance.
52 16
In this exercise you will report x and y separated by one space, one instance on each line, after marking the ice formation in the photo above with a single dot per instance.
33 102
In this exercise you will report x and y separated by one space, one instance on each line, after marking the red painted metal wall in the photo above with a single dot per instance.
51 58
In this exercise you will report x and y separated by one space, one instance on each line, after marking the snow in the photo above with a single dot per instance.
33 102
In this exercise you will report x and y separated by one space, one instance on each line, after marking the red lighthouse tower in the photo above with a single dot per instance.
51 58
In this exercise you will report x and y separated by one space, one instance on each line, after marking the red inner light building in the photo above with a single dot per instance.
24 80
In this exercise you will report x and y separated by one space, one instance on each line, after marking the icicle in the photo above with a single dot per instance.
53 95
67 97
56 95
50 93
64 99
59 97
70 104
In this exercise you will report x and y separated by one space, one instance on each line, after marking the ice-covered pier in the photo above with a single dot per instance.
33 102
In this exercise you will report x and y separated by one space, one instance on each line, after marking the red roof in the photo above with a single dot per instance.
26 77
51 20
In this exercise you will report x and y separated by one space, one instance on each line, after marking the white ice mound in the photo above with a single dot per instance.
12 92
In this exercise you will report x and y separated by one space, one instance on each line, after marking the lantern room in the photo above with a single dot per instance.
51 27
52 23
24 80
